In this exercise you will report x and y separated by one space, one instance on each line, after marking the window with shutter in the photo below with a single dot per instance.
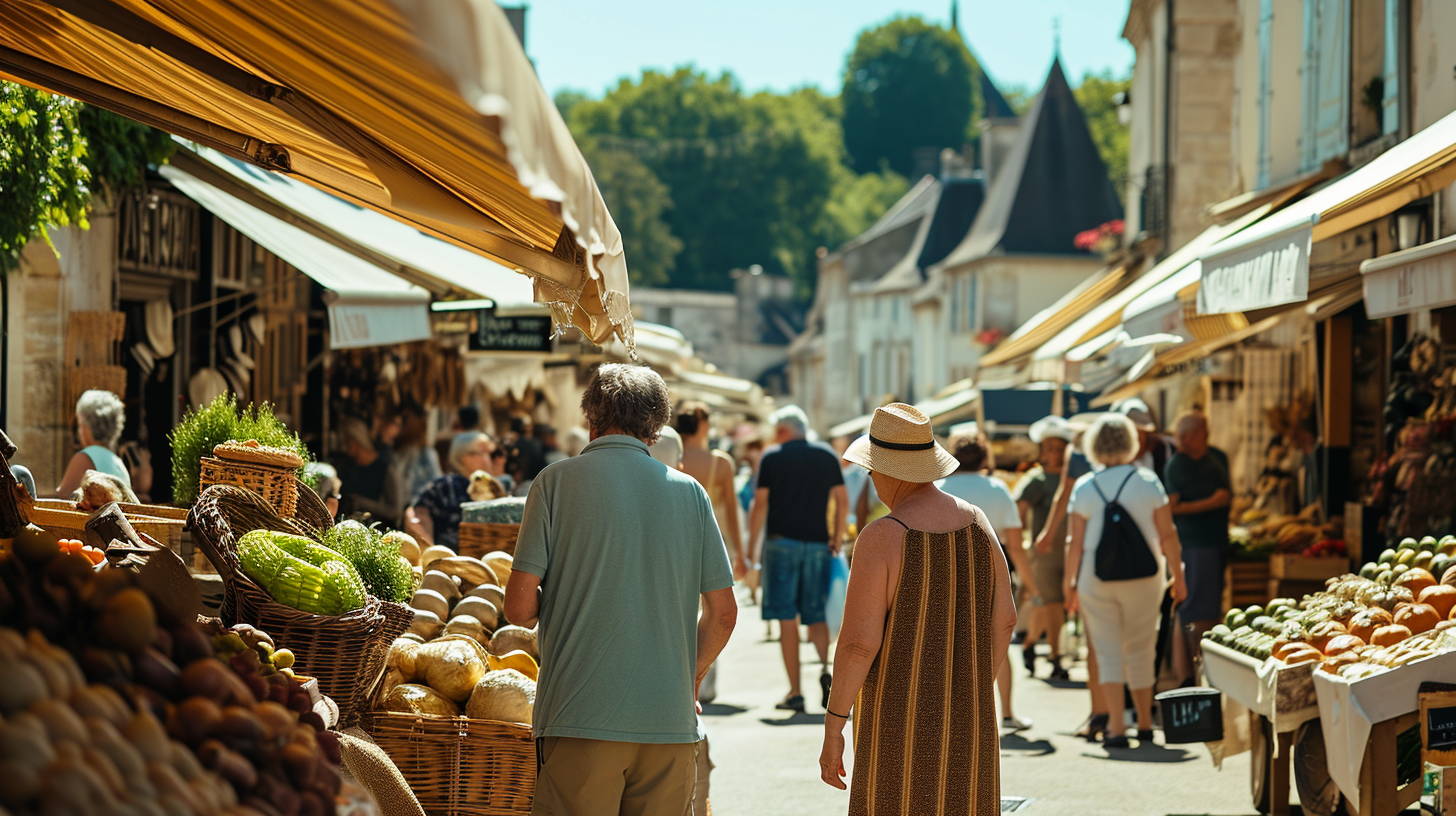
1326 127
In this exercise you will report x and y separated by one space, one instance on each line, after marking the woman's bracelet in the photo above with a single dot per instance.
832 714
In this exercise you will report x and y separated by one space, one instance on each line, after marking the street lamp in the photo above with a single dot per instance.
1123 101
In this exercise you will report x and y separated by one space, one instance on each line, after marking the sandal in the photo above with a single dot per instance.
792 703
1093 729
1119 741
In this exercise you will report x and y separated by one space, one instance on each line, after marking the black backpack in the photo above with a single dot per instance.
1122 552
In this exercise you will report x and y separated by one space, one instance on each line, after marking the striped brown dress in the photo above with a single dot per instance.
925 737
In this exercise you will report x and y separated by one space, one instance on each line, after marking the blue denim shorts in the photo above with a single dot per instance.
795 579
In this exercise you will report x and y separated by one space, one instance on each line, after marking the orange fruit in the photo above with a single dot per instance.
1390 635
1416 580
1418 618
1339 644
1441 596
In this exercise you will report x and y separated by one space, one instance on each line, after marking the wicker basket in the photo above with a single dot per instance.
478 539
277 485
458 766
345 652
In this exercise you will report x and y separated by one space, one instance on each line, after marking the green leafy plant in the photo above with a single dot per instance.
387 576
220 421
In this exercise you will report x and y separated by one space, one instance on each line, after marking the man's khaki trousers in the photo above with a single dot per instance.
586 777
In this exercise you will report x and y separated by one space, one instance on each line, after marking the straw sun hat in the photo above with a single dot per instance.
902 444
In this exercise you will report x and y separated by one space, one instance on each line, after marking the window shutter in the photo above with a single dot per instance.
1326 81
1390 107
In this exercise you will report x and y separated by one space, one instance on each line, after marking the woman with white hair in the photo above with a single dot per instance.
100 417
1122 544
433 517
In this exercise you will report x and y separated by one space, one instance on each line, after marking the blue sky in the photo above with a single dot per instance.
588 45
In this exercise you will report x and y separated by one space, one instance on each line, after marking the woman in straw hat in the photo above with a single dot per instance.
927 621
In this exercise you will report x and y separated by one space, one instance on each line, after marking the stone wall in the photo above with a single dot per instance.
78 275
1206 53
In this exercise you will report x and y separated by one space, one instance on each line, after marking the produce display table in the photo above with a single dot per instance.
1361 720
1281 698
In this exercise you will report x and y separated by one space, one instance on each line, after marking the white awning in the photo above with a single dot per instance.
368 306
1268 264
1111 313
442 267
1423 277
939 410
1160 309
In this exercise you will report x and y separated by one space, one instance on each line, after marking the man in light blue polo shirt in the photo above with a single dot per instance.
615 552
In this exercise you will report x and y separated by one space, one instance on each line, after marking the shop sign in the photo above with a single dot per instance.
1422 278
511 333
1256 275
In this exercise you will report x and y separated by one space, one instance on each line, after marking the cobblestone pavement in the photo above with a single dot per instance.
767 760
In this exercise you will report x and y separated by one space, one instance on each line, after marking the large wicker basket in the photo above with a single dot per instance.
345 652
478 539
277 485
458 766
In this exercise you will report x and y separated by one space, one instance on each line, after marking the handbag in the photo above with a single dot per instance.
838 584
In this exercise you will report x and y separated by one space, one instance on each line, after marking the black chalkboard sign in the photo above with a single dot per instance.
1437 706
1191 715
512 333
1441 728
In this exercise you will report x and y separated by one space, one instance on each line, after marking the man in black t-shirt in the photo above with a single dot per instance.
791 504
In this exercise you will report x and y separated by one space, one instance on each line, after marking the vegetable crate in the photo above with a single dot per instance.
1245 583
345 652
458 766
62 519
1297 575
478 539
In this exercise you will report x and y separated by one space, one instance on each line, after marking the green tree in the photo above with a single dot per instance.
43 175
1095 96
118 149
747 177
908 84
639 203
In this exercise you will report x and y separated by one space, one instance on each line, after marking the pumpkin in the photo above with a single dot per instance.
1415 580
1339 644
1390 635
1440 596
1418 618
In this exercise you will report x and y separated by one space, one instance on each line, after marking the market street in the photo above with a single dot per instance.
766 759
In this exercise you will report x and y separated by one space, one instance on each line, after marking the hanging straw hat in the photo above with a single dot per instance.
205 386
159 328
1052 427
902 444
235 339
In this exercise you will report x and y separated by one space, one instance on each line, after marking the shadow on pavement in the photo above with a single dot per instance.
1064 684
796 719
1022 745
722 710
1144 753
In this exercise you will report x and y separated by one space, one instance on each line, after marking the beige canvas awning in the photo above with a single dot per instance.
425 110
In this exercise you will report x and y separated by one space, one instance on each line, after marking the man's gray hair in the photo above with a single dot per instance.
104 415
629 399
791 417
461 445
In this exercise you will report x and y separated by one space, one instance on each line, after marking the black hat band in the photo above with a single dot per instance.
902 446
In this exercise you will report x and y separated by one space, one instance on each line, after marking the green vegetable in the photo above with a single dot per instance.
203 429
300 573
385 574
